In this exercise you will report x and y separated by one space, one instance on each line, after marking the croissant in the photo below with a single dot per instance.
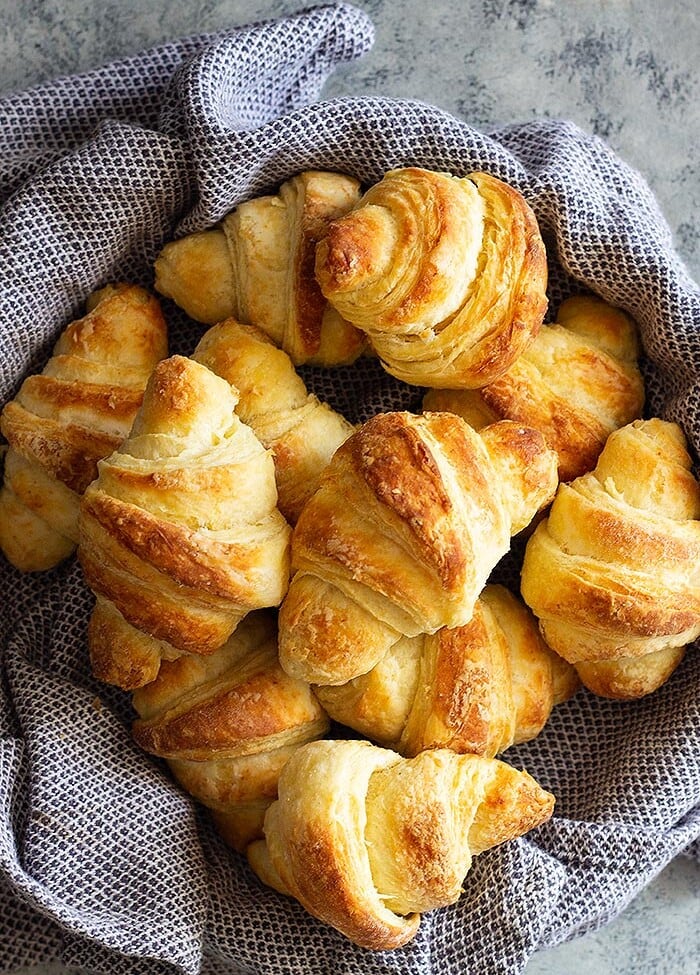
227 723
258 267
301 432
476 689
64 420
613 573
446 275
180 532
411 516
577 382
366 840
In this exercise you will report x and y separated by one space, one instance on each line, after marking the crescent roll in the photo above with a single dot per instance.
367 840
412 514
227 724
613 572
181 532
302 433
446 275
62 421
258 267
577 382
475 689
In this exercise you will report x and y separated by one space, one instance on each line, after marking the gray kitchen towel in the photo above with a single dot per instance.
104 864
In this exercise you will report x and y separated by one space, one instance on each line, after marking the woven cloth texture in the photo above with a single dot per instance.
104 863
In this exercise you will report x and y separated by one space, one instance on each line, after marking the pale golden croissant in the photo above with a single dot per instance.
367 840
301 432
613 573
577 382
411 516
258 267
227 723
446 275
181 532
475 689
64 420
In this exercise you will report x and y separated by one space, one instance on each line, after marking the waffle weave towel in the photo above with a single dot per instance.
104 864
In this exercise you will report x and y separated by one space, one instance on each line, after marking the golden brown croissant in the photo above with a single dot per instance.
475 689
258 267
227 723
64 420
301 432
446 275
367 840
613 573
577 382
180 531
411 516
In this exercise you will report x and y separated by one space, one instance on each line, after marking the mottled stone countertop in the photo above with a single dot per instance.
627 71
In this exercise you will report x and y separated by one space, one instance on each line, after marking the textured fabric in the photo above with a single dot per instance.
103 862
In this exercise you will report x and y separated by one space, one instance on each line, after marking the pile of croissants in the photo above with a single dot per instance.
263 567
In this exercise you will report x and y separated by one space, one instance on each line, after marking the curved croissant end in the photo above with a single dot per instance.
258 267
411 516
180 532
302 432
367 840
227 724
613 573
446 275
120 654
475 689
195 271
577 382
78 410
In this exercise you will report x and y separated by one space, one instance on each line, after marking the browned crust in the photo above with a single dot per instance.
512 805
118 402
66 451
353 246
230 716
120 654
320 885
498 318
310 302
185 555
393 459
343 250
316 207
577 437
520 456
619 610
542 398
528 302
118 315
190 620
124 319
639 543
189 623
462 697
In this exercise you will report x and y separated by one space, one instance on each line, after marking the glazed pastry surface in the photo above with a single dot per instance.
613 572
65 419
475 689
446 275
227 724
577 382
258 267
181 531
411 516
302 432
367 840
